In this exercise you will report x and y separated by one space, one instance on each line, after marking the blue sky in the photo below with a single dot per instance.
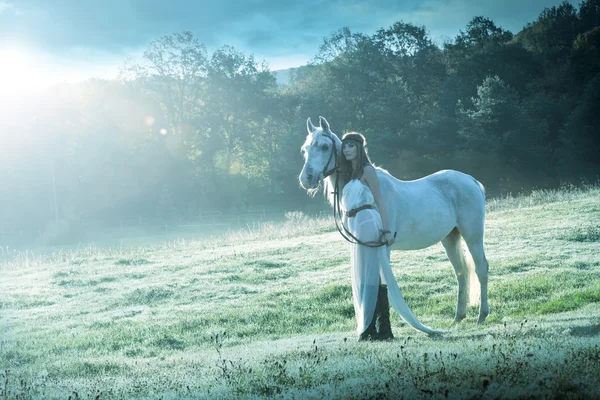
78 39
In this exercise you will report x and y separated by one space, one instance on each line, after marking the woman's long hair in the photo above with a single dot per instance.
345 167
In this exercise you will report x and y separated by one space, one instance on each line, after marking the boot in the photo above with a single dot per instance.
382 311
370 333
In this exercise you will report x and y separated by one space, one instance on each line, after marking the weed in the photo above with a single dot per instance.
583 234
21 391
139 261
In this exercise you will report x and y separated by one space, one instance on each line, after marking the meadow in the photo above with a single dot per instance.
267 313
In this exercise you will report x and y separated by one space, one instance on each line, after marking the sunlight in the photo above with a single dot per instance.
21 74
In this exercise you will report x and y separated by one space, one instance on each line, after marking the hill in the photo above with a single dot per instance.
268 313
282 76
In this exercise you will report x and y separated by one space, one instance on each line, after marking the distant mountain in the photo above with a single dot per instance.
283 76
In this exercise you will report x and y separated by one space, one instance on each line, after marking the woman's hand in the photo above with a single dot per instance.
389 238
370 176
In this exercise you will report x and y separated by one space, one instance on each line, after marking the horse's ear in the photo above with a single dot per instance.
309 126
324 124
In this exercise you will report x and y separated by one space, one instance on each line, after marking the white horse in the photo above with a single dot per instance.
447 206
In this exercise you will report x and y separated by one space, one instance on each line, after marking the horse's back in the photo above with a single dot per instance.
465 193
454 185
458 182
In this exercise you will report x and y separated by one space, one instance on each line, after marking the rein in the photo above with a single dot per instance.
337 212
346 234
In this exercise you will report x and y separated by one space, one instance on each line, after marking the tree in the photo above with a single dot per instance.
499 126
412 56
175 75
552 34
485 49
221 145
581 143
585 58
589 14
480 32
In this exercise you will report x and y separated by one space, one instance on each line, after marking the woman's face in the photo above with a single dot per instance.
350 150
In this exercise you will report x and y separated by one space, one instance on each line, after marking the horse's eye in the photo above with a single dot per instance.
324 147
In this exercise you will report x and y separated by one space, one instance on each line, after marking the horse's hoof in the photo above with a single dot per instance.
457 320
482 318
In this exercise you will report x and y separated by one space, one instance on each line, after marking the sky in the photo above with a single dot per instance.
44 42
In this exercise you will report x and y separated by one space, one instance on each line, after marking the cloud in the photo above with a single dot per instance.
267 28
9 9
5 6
444 19
116 24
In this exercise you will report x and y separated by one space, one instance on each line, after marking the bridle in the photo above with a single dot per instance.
337 212
325 173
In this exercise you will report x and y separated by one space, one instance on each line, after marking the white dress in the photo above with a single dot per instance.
370 264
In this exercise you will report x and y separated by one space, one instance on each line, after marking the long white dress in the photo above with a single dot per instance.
370 264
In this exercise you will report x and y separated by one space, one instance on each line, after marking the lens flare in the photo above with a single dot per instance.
149 120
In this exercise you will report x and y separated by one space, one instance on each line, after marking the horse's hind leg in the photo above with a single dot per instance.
452 244
475 245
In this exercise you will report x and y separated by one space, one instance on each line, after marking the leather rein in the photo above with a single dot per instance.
337 212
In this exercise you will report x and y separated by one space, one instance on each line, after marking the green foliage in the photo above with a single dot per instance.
579 135
589 14
481 31
553 32
585 58
499 126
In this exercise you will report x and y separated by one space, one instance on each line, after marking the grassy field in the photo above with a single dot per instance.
268 313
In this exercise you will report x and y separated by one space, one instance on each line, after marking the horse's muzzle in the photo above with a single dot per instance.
308 186
308 180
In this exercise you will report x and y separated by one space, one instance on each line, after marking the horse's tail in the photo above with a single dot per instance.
473 280
399 304
480 186
474 286
464 265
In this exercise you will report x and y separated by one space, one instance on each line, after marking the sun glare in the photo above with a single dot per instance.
21 75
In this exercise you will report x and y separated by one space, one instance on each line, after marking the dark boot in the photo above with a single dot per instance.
370 333
382 312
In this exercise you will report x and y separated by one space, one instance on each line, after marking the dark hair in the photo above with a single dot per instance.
346 171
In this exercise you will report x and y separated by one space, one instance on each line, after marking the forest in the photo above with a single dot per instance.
185 130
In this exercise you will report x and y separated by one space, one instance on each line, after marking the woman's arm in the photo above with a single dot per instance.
370 176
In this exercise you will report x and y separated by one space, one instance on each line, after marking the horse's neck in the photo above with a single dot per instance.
330 187
331 179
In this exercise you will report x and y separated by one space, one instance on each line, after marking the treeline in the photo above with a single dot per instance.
186 130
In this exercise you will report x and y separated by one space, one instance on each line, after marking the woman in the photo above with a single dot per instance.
360 195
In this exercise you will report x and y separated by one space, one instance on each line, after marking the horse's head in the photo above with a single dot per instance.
320 153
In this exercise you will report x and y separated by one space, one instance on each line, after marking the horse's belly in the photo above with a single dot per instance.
414 235
414 243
